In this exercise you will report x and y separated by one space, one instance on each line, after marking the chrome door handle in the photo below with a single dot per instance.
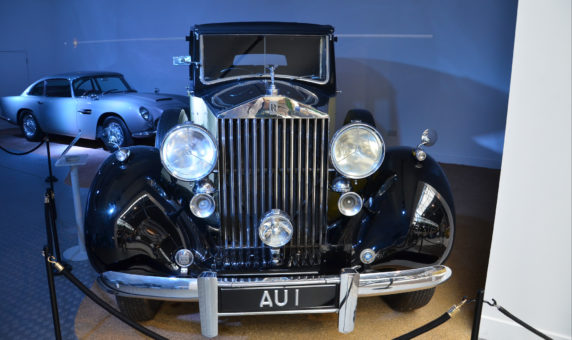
85 112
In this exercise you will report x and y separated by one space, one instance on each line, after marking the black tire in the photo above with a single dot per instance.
168 120
138 309
407 302
30 127
361 115
114 133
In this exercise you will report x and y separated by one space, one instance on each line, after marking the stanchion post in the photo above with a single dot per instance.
51 178
51 229
53 298
477 317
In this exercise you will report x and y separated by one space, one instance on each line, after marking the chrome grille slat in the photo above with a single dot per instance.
272 163
248 216
232 200
307 189
314 211
239 202
323 159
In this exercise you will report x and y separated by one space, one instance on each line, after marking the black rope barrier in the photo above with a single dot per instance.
434 323
68 275
476 321
517 320
22 153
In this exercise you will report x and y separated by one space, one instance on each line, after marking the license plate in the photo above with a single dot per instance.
274 299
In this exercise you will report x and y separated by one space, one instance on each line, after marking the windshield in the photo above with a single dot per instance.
100 84
226 57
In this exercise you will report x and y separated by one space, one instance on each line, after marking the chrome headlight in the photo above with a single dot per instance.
144 113
188 152
357 150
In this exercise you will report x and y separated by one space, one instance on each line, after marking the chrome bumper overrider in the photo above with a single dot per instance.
204 289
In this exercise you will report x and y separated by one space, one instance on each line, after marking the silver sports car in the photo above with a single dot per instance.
101 105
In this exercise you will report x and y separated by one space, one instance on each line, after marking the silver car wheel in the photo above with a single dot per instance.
29 125
114 134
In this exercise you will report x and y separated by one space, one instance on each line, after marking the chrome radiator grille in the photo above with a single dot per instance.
265 164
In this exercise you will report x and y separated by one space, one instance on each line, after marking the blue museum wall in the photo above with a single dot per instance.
415 64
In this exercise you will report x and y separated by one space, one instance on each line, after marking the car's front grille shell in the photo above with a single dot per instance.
272 163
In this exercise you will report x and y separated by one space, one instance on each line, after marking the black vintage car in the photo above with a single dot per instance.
251 203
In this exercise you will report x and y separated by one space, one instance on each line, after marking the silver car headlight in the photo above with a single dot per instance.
189 152
357 150
145 113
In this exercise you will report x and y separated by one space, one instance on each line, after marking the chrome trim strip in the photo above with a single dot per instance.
143 134
186 289
307 311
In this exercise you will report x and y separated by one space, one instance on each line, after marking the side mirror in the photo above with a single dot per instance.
429 137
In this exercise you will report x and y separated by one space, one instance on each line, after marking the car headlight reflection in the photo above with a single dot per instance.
188 152
357 150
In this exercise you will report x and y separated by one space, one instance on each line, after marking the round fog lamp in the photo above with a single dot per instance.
275 229
350 203
184 258
202 205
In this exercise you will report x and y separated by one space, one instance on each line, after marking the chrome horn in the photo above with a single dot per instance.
428 138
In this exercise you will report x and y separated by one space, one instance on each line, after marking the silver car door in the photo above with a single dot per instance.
31 101
59 108
87 114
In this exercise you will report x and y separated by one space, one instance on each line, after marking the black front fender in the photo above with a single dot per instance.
135 219
408 218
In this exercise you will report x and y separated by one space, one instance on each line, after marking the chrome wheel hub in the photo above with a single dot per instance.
114 134
29 125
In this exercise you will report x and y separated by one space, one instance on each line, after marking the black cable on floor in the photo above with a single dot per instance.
22 153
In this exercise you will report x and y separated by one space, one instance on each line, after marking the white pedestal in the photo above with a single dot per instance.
75 253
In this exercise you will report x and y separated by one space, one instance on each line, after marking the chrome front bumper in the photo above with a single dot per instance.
205 289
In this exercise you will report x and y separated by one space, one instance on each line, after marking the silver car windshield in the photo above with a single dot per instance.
100 85
234 56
